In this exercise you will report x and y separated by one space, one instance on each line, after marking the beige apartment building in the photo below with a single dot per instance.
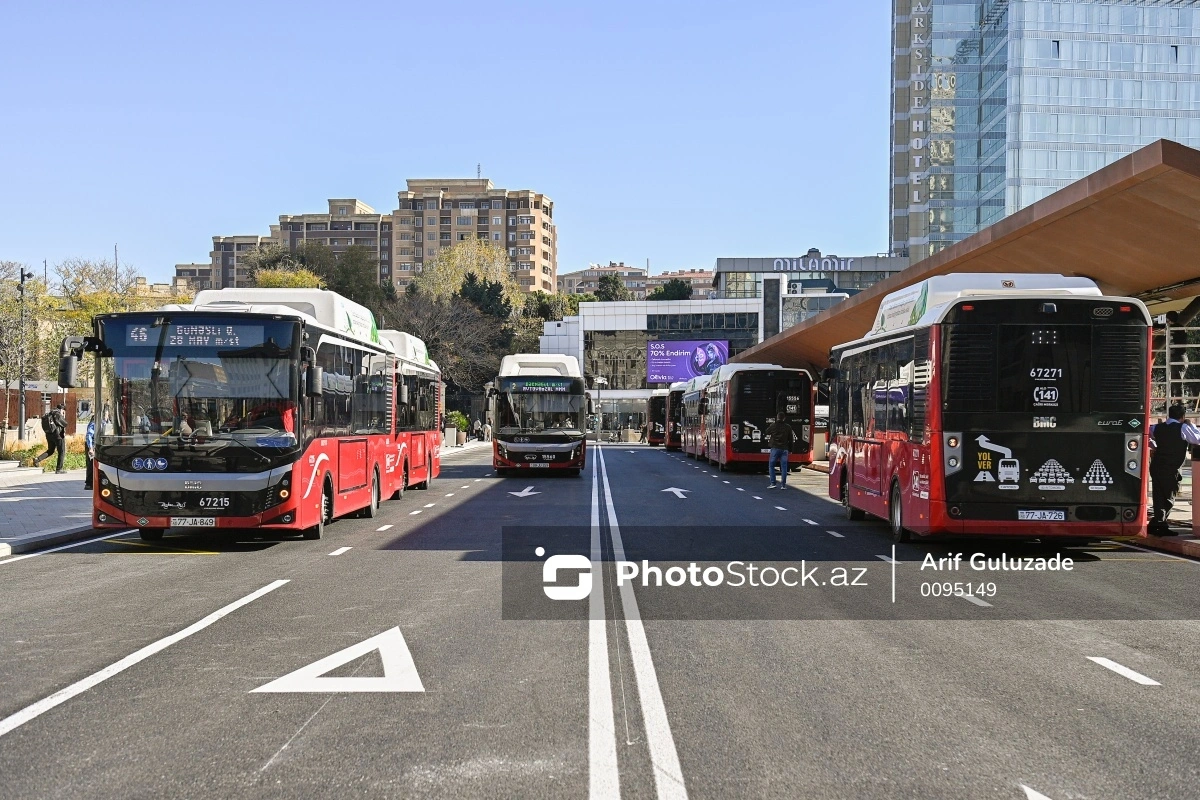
197 276
699 279
586 281
435 213
431 214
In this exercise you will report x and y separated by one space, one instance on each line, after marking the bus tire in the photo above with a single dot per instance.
850 511
896 516
318 531
151 534
424 485
372 509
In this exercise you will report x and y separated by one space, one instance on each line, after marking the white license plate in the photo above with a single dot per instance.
1043 515
193 522
536 465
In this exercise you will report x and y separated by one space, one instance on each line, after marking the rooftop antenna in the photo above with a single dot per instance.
479 171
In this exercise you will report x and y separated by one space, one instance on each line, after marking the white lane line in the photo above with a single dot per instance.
339 551
451 494
477 480
835 533
781 508
740 489
724 481
79 687
756 497
1032 794
414 513
65 547
668 775
809 521
888 559
970 598
383 527
430 505
465 486
604 779
1123 671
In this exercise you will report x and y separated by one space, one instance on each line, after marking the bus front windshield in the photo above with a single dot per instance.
198 378
533 405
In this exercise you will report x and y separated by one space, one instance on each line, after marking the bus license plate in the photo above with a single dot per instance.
193 522
1043 515
536 465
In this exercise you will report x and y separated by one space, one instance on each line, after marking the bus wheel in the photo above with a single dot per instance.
317 531
152 534
850 511
372 510
399 493
428 476
896 516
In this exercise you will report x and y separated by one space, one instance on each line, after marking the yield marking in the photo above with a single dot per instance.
678 492
341 550
526 492
383 527
1124 671
79 687
1031 794
809 521
399 671
781 508
835 533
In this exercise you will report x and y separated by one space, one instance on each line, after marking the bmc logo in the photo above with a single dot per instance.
1045 422
550 572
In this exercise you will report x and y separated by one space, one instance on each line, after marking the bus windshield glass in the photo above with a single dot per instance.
531 405
199 377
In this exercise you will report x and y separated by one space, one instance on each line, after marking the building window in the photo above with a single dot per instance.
406 237
342 210
445 237
431 205
431 237
1054 48
462 237
497 220
405 220
497 204
431 221
462 220
406 251
512 237
512 251
526 234
384 256
419 206
466 203
445 220
495 237
512 203
406 267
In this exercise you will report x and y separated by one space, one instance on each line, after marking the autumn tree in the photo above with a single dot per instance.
286 278
19 345
443 275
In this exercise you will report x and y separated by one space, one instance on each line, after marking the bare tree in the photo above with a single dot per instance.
465 342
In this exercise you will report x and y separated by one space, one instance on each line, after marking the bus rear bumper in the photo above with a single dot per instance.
1003 521
280 517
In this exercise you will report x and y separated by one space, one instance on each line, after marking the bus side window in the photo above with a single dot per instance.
900 387
854 387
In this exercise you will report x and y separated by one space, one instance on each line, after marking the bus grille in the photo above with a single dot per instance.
971 359
1121 381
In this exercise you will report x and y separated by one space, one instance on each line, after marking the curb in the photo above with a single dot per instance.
815 467
17 545
1178 545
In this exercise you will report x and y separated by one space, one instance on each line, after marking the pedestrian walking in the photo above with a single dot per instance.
780 437
54 425
477 429
487 431
1170 439
89 450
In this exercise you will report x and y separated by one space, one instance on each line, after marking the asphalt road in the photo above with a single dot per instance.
131 670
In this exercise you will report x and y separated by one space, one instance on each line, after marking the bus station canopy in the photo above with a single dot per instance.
1133 227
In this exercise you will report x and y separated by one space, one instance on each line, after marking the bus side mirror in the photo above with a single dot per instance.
312 381
404 393
830 374
69 354
591 408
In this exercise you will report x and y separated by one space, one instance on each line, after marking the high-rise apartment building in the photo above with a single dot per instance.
432 214
228 254
348 222
996 104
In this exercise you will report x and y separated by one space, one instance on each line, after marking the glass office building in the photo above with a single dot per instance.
997 104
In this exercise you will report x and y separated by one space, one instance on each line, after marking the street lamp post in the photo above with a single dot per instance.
21 358
600 381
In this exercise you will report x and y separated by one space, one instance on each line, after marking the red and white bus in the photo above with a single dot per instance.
740 402
277 409
1010 405
673 440
693 424
656 417
540 407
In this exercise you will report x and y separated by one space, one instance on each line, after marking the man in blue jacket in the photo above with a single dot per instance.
1170 439
89 448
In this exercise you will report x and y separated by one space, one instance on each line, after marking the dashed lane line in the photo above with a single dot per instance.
970 598
835 533
341 550
451 494
414 513
430 505
756 497
809 521
1120 669
781 508
888 559
383 527
740 489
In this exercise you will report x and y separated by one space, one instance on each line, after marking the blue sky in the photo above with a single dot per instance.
677 132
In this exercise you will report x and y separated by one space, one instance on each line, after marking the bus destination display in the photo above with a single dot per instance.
196 335
539 385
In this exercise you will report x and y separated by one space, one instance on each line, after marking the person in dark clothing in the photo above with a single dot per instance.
1170 440
779 437
54 425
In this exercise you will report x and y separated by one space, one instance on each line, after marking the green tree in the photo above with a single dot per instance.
16 348
488 296
612 287
287 278
355 275
674 289
443 275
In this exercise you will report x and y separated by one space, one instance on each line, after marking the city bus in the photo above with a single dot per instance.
740 402
673 440
1011 405
693 419
276 409
656 417
540 407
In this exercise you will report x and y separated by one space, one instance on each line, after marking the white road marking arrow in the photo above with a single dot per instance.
399 671
1030 794
526 492
678 492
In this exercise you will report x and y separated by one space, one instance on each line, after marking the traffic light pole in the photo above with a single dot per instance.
21 359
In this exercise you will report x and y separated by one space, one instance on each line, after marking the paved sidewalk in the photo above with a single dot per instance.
39 509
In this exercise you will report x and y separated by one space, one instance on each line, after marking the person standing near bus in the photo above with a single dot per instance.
1170 440
89 451
477 429
487 430
780 437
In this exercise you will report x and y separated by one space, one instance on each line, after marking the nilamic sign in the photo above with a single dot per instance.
804 264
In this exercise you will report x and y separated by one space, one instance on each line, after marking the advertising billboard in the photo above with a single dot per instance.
667 362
